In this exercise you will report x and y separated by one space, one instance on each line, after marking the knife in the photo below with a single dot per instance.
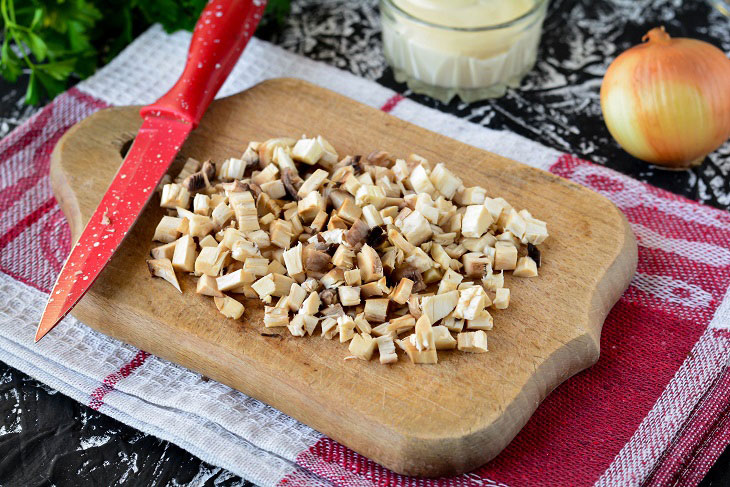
221 33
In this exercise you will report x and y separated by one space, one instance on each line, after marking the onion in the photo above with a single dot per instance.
667 101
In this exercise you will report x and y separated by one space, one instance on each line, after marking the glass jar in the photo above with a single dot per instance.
475 49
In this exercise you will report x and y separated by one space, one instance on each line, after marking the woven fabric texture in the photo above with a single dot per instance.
649 412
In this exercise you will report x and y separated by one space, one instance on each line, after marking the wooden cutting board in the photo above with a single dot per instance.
419 420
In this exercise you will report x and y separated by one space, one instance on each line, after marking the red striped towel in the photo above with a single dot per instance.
652 411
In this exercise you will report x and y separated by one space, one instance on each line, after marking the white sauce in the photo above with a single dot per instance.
464 60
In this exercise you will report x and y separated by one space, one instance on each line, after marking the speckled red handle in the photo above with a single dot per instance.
221 33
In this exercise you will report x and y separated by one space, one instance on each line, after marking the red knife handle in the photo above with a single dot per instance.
221 33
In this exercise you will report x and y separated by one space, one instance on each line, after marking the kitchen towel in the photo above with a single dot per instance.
652 411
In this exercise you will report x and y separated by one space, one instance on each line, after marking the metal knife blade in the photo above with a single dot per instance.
219 37
151 154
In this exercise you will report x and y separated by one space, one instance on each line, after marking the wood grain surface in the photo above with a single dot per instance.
418 420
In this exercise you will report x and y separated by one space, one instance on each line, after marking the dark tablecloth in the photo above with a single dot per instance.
49 439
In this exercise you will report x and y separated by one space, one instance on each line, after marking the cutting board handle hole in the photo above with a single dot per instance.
125 147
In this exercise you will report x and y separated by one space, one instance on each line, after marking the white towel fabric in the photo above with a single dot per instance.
220 425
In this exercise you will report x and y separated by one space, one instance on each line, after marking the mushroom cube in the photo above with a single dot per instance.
501 300
420 356
308 151
416 228
376 309
472 301
420 181
369 263
526 267
229 307
201 204
165 251
402 291
169 229
442 338
208 286
362 346
345 328
349 296
234 280
163 268
183 258
445 181
210 261
505 256
439 306
231 169
482 321
472 342
386 349
275 316
470 196
174 195
476 221
310 306
313 182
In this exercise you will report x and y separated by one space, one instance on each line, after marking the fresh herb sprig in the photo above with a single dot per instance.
57 40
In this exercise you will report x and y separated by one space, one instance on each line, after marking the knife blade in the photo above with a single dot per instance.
221 33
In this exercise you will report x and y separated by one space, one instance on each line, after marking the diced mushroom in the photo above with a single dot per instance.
362 346
420 356
368 261
476 221
416 228
482 321
475 264
308 151
501 300
275 316
207 286
169 229
357 234
401 324
353 278
444 180
174 195
183 258
526 267
343 258
376 309
164 251
349 296
505 256
163 268
402 291
386 349
356 228
345 328
439 306
420 181
472 342
472 301
234 280
229 307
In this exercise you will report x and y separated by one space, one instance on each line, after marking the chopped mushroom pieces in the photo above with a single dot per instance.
472 341
163 268
362 346
229 307
371 248
386 349
208 286
526 267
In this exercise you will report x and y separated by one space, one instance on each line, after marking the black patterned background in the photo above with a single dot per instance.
49 439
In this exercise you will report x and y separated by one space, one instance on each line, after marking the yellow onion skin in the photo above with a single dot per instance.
667 101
